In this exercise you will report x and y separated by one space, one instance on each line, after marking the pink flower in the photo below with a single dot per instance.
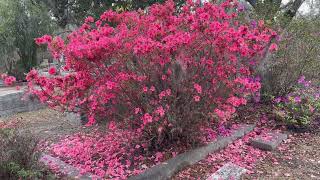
147 118
273 47
159 156
52 70
43 40
89 19
152 88
110 85
236 102
145 89
168 92
112 125
9 80
196 98
198 88
137 110
162 94
160 111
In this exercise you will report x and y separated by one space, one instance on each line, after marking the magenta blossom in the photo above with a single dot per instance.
297 99
277 100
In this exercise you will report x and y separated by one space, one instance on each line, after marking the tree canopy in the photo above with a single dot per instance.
21 21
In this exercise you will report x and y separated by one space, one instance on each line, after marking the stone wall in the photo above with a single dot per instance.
13 101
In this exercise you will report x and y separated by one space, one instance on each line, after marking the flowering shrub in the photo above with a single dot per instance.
8 80
301 106
162 74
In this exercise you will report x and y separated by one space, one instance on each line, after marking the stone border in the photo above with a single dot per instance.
167 169
11 102
64 168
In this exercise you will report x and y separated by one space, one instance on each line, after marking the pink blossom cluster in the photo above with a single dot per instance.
8 80
161 73
55 45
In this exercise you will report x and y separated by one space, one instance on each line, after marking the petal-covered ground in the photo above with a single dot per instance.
296 158
239 152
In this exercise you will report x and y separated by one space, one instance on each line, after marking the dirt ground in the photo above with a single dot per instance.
46 124
298 158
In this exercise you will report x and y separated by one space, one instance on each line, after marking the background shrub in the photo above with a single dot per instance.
298 54
301 107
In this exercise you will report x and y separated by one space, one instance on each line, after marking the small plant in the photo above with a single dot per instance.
299 108
18 155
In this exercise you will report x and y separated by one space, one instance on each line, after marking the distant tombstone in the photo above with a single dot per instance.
268 142
77 119
45 63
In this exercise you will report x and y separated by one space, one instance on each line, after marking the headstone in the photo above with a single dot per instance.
45 62
229 171
77 119
269 141
73 118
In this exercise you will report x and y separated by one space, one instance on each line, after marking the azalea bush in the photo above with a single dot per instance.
301 107
162 74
